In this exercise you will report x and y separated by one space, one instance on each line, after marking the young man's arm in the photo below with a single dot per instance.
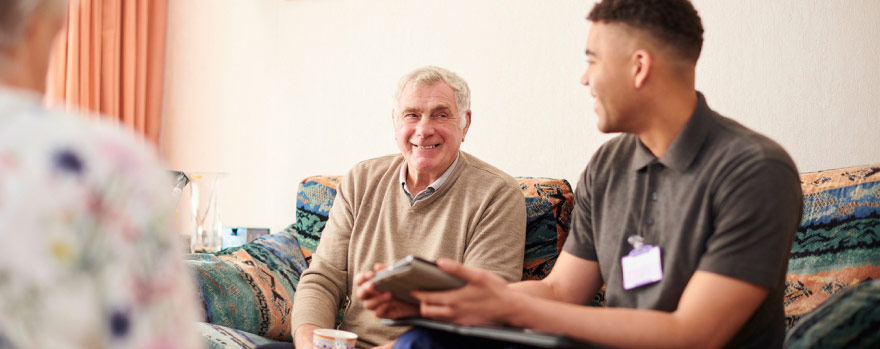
711 311
560 285
712 308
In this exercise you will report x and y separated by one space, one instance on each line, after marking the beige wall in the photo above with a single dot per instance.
272 91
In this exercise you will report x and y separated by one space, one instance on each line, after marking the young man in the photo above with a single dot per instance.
688 217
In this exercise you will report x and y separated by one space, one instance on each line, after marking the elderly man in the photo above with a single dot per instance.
687 217
431 200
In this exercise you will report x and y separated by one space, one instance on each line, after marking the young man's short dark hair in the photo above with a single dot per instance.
672 22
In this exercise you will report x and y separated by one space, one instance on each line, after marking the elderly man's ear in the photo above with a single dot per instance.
466 125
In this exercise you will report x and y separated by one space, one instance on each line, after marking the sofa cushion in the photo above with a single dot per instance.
313 201
836 245
222 337
549 203
251 287
849 319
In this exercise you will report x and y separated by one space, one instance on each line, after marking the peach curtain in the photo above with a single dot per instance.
111 60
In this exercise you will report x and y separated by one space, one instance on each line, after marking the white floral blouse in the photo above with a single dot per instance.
87 255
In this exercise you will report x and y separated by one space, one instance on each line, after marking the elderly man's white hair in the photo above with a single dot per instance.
429 75
14 15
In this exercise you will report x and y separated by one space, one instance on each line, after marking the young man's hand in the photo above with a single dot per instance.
383 304
484 300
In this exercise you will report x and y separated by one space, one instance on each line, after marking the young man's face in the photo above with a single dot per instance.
609 76
427 128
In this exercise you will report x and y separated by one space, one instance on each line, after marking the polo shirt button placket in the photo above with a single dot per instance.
650 199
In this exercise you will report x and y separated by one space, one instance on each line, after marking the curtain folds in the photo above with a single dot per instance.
111 60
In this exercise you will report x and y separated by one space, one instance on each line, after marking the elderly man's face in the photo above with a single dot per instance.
426 127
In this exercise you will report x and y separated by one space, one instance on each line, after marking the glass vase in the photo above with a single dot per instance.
205 198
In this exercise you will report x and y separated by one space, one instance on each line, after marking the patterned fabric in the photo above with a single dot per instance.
313 201
548 217
247 291
251 287
548 210
88 259
836 246
849 319
222 337
838 242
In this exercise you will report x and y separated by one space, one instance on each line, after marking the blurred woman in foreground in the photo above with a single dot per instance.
87 255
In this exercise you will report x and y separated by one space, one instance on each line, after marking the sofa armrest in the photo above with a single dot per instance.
251 287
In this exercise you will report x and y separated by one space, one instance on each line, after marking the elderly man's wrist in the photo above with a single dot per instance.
302 336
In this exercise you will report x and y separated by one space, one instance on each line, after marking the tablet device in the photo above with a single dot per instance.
507 334
413 273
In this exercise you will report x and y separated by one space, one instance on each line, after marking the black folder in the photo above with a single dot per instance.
507 334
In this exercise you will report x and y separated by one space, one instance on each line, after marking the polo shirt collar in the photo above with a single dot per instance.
436 184
642 157
687 144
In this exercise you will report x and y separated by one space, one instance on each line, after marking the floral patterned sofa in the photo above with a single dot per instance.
247 291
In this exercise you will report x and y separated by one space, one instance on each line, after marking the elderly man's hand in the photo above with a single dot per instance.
383 304
485 300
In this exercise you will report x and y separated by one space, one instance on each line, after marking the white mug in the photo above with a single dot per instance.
326 338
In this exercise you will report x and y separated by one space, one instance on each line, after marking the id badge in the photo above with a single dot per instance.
641 267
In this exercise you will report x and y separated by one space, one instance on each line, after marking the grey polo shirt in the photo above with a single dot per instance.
722 199
427 192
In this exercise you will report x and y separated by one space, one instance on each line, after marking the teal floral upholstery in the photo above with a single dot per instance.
251 287
549 203
313 201
849 319
838 242
222 337
248 291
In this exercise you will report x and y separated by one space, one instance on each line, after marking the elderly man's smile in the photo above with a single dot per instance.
426 147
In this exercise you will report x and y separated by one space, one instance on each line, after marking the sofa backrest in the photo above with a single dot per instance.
549 203
251 287
838 242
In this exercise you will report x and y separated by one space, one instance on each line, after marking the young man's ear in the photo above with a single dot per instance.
641 68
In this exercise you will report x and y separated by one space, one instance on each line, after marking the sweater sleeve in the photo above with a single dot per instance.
498 242
324 285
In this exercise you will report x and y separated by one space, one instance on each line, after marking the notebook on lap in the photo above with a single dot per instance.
508 334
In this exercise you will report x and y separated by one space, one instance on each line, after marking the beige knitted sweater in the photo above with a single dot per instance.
478 217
